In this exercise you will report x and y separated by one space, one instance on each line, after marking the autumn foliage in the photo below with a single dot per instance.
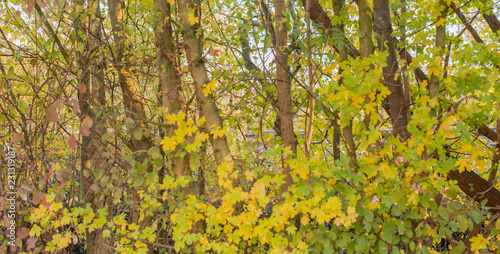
182 126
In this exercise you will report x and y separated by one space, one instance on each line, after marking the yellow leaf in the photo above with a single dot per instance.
217 131
424 83
420 148
50 197
466 148
56 206
479 242
40 212
304 220
35 230
480 164
331 98
66 219
168 144
441 22
357 100
172 118
207 88
192 19
463 164
494 246
201 121
170 1
327 68
64 241
125 72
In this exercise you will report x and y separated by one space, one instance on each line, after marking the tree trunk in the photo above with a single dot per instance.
170 91
283 87
386 42
440 43
132 100
91 93
194 53
343 47
132 97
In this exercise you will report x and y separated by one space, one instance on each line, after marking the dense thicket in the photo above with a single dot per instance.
182 126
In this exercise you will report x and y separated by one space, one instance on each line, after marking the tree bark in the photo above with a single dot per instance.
440 43
492 21
386 42
321 18
343 46
91 94
196 64
404 68
283 87
170 89
365 27
132 97
464 20
477 188
132 101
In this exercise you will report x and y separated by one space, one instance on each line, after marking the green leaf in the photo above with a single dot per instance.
139 180
138 133
476 216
